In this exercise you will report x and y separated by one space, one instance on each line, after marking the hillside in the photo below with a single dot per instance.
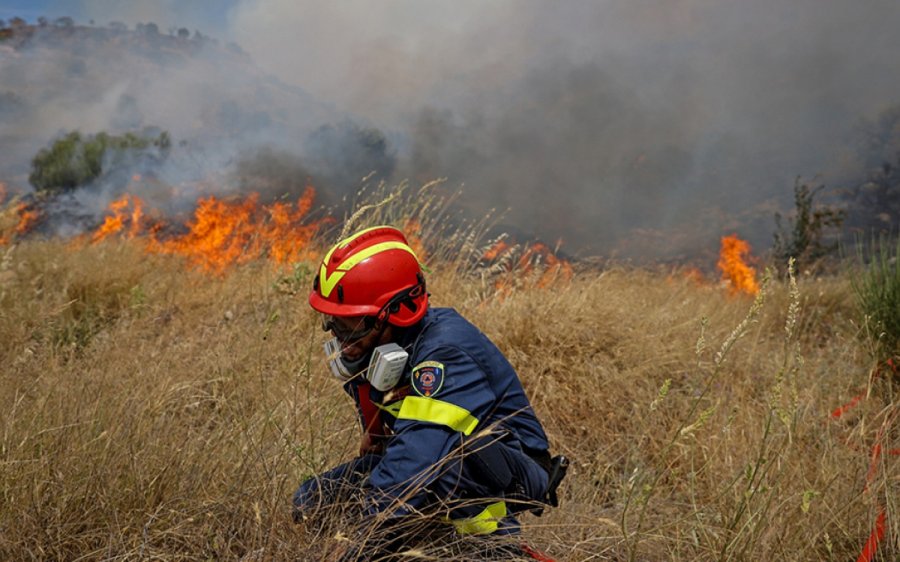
211 97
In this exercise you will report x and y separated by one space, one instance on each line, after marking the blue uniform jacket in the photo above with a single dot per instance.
457 383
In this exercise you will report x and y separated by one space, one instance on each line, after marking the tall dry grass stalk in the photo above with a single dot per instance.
151 411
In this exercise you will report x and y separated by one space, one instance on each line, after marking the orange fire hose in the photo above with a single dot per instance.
870 548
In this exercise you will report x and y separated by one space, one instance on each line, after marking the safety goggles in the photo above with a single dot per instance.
348 329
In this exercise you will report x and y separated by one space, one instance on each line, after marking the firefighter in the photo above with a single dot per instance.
445 420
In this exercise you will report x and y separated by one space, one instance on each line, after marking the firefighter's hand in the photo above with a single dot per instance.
371 444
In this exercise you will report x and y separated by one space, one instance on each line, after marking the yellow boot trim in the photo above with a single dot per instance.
484 523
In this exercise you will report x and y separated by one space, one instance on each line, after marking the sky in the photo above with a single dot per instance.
647 126
29 9
209 16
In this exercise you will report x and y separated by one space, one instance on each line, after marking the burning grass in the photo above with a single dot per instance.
734 267
221 233
153 410
16 217
534 264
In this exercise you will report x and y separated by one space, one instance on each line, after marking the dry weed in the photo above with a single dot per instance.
151 411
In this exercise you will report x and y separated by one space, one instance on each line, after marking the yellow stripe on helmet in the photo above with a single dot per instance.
327 283
346 241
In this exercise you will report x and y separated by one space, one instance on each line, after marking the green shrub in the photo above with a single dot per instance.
73 161
877 288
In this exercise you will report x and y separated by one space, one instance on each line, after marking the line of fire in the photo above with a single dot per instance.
225 232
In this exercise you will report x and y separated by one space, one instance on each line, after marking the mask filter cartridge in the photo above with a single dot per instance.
386 367
333 358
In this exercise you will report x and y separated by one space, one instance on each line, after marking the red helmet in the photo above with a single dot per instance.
372 273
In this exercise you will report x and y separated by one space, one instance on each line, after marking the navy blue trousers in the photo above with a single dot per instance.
459 486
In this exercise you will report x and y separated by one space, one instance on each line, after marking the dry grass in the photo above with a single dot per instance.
154 412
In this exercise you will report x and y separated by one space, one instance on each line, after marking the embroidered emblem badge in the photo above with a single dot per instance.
428 378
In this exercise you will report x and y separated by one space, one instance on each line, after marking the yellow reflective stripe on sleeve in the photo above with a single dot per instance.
327 283
484 523
439 412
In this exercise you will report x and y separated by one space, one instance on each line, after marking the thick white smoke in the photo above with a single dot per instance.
592 119
652 127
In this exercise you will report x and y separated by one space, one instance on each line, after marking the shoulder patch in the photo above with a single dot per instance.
428 378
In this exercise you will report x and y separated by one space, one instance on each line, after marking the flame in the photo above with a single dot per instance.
689 273
28 217
116 222
695 275
541 254
287 235
496 250
221 232
16 218
735 270
412 228
537 265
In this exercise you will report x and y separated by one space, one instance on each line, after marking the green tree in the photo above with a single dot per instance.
73 160
804 239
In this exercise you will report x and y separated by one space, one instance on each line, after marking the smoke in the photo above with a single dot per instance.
234 128
639 128
596 121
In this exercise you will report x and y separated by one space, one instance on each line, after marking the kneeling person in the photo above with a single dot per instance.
445 419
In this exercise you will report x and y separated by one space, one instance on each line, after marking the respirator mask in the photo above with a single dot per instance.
382 367
385 364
